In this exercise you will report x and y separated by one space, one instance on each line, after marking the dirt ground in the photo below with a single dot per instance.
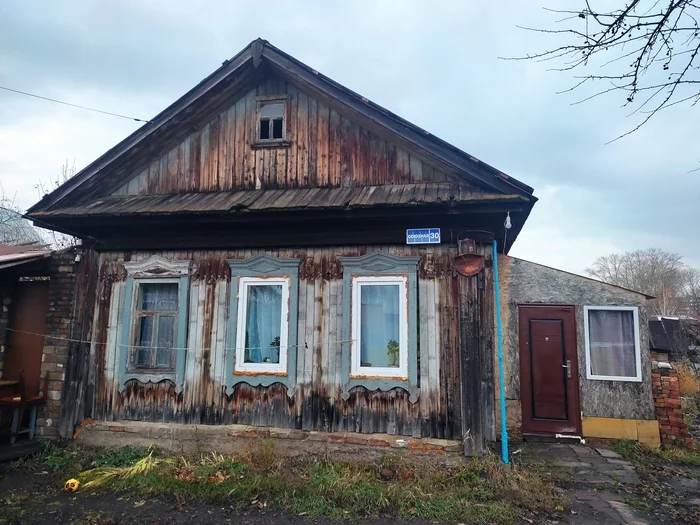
599 485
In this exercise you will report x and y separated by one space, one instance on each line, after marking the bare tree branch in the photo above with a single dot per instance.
655 272
667 35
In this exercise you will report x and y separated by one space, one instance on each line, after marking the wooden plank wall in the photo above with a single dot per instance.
327 150
317 404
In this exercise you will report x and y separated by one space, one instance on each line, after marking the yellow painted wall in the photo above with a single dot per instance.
646 432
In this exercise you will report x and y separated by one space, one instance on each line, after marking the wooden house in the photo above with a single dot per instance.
246 261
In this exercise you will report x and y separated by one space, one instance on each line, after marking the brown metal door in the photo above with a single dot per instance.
27 319
549 370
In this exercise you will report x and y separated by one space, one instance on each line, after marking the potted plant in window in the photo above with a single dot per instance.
392 351
276 345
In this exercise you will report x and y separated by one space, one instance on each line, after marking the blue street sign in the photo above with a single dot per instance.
423 236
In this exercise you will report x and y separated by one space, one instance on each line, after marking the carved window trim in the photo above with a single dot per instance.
153 270
263 266
380 264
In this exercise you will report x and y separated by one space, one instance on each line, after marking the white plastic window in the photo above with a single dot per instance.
612 343
379 326
262 325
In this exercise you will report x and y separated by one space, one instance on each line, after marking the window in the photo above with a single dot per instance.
263 322
155 326
612 343
379 326
271 120
263 328
379 348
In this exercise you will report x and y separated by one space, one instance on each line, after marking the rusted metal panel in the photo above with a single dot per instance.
317 403
324 152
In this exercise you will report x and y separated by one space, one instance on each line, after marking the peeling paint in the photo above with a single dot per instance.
317 404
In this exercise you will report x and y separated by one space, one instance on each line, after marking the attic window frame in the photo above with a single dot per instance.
271 142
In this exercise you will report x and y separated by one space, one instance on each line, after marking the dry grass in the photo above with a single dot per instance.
480 491
688 380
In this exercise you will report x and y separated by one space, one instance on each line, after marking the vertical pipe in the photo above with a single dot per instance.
501 382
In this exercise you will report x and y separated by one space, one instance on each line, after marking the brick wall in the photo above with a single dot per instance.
58 324
667 402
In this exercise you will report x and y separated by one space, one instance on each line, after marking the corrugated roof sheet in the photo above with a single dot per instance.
286 199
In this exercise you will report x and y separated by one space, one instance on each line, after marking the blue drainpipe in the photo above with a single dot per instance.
501 383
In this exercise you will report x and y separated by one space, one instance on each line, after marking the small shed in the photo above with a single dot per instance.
576 355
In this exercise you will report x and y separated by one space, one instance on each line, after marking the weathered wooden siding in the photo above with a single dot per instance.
326 150
523 282
317 404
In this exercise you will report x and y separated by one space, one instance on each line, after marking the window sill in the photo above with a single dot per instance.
259 373
378 377
615 378
151 372
271 144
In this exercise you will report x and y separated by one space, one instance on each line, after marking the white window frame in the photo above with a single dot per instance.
262 368
637 347
382 372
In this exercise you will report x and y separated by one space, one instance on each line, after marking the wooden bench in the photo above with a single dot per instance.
14 406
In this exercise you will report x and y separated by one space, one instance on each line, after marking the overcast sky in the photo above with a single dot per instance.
434 63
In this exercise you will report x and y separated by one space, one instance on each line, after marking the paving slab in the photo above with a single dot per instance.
607 453
626 513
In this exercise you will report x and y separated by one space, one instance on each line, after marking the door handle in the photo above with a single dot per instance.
568 368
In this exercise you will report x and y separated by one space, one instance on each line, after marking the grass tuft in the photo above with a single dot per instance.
481 491
646 458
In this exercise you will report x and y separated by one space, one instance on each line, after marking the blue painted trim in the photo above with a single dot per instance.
379 263
178 375
501 382
264 265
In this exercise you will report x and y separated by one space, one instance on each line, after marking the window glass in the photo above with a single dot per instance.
612 344
158 296
263 329
271 111
166 340
143 341
271 121
156 313
379 325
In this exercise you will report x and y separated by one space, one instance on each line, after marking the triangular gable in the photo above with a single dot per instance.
236 77
323 149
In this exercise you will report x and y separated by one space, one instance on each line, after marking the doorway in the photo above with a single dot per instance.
549 386
25 337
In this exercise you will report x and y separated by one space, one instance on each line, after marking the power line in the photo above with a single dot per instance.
178 349
73 105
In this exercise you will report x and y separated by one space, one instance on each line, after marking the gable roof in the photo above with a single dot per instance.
120 162
585 277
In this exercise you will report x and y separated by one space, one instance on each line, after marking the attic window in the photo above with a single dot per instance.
271 115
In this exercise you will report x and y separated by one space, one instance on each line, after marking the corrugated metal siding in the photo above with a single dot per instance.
317 404
327 150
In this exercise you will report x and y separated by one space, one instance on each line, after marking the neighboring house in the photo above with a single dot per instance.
24 295
247 262
30 281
